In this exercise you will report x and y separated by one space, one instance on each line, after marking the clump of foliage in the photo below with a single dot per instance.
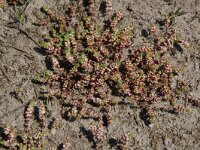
16 2
30 138
90 63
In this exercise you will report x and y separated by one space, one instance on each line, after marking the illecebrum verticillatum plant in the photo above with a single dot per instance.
98 135
90 63
8 138
31 137
16 2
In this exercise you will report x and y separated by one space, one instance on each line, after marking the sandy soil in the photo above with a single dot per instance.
21 59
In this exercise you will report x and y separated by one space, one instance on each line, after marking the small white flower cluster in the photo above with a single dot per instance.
66 145
28 114
122 142
98 134
42 112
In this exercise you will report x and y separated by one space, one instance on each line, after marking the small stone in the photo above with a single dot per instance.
151 125
53 131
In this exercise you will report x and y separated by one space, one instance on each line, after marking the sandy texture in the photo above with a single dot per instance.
21 60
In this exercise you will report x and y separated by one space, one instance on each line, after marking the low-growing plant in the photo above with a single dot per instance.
89 64
17 2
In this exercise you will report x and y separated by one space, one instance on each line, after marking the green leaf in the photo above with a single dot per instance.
1 143
19 16
82 58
